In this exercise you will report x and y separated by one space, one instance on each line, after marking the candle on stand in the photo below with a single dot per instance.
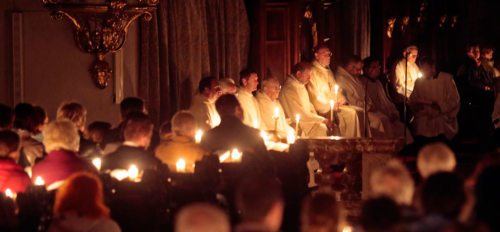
275 117
332 105
198 135
297 120
180 165
97 163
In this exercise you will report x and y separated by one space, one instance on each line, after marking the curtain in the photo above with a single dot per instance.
185 41
361 27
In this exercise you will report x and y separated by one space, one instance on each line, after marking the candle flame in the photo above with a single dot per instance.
198 135
332 104
10 194
236 155
97 163
180 165
347 229
419 75
133 172
297 118
290 138
39 181
336 89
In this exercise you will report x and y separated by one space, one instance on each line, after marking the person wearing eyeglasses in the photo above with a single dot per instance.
407 68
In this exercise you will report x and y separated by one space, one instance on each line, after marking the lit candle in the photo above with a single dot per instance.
290 138
97 163
419 75
10 194
255 124
133 172
336 91
275 117
180 165
332 104
347 229
198 135
297 120
236 155
39 181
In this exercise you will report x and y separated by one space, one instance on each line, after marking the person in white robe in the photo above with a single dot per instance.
322 90
295 101
203 104
380 101
410 55
435 103
248 84
354 88
273 115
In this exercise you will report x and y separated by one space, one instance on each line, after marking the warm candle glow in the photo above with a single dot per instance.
419 75
336 89
198 135
255 124
39 181
347 229
236 155
180 165
332 105
133 172
97 163
264 136
10 194
297 120
290 138
276 113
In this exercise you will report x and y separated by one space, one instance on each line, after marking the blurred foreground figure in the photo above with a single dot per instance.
202 217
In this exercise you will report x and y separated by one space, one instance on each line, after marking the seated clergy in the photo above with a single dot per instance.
251 112
322 89
379 99
411 73
233 134
203 104
137 132
273 116
180 143
435 103
295 101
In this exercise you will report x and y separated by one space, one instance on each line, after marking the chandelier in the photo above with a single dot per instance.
100 27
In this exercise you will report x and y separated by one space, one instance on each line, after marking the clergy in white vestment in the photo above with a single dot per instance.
321 89
354 88
203 104
410 55
248 84
380 101
273 115
295 101
435 103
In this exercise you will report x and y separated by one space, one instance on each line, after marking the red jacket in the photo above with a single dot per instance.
59 165
12 176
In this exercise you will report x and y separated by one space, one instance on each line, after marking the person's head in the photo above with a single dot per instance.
353 65
473 51
323 55
487 191
411 52
249 80
130 105
81 193
302 71
487 53
209 87
393 181
184 124
9 144
40 119
380 214
61 134
259 199
371 67
228 105
138 129
320 212
435 157
6 117
97 130
428 67
74 112
271 87
24 116
201 217
228 86
443 194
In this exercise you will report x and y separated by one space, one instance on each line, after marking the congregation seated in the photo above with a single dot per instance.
61 141
201 217
97 130
273 115
261 211
251 112
12 175
295 101
323 89
381 214
435 103
321 212
137 133
6 117
393 181
434 158
180 143
31 149
40 119
79 206
203 103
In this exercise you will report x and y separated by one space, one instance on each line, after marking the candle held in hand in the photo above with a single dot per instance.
180 165
39 181
198 135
